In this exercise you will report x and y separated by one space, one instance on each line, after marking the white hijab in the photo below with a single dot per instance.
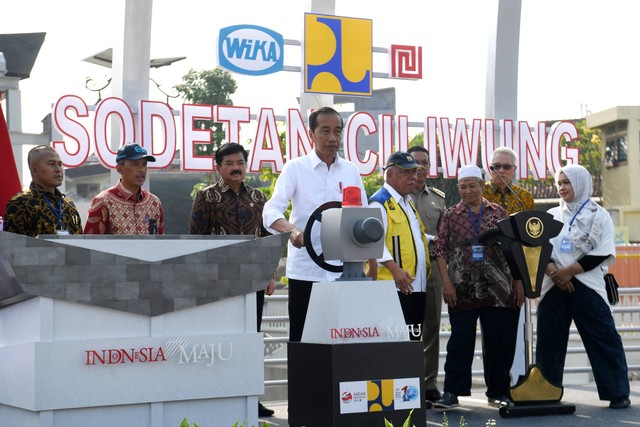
591 231
587 228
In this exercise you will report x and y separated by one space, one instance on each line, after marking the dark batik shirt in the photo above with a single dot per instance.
485 283
36 211
217 209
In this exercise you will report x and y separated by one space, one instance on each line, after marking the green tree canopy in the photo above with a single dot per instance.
211 87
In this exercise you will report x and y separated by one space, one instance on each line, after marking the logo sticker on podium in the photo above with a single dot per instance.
379 395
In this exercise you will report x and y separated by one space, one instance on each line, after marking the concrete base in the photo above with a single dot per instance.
67 364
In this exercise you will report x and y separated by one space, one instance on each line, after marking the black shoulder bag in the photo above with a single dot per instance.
611 285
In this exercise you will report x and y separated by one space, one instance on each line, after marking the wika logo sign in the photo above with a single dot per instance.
249 49
337 55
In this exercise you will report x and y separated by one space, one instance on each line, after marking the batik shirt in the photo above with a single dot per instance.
486 283
117 210
36 211
217 209
508 201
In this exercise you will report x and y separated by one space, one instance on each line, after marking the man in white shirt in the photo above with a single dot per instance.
308 182
405 259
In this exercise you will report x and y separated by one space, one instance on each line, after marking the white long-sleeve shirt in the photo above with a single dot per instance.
308 183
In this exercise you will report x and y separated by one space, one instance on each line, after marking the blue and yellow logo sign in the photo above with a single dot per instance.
337 55
380 395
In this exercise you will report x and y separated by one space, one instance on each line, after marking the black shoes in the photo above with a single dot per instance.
499 401
620 403
264 411
433 395
448 400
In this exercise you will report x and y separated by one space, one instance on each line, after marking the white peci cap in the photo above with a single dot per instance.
469 171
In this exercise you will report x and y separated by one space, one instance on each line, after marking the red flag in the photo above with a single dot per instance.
9 180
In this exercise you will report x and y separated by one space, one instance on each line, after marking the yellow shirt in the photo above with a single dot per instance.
506 199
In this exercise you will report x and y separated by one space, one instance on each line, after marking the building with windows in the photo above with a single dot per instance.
620 128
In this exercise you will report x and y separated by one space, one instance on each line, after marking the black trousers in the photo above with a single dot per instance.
499 332
413 306
299 295
259 306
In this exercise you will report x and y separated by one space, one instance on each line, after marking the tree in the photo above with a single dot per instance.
589 142
210 87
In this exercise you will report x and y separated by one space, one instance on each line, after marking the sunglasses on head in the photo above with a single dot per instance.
506 166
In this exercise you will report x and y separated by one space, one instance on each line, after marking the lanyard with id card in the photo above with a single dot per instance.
58 213
566 245
477 250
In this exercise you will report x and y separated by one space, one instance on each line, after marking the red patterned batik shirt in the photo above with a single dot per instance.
119 211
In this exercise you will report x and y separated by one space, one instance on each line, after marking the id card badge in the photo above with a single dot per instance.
62 232
477 253
566 246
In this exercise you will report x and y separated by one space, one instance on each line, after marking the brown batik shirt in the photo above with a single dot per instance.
217 209
486 283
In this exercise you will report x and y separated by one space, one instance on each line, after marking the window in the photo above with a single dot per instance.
615 152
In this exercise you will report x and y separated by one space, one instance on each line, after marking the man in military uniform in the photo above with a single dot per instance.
429 202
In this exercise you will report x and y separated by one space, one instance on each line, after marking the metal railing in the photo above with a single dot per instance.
626 314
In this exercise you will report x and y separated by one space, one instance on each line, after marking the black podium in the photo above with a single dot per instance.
348 376
325 382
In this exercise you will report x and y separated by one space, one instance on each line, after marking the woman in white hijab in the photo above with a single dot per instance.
573 290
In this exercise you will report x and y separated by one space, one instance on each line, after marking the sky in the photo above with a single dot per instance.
575 55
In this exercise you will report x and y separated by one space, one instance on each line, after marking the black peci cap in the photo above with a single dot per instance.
402 159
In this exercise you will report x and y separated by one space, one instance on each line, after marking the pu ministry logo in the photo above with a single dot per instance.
338 55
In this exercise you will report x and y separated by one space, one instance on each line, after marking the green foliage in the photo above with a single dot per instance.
185 423
407 422
210 87
589 142
204 182
372 183
387 423
463 422
268 176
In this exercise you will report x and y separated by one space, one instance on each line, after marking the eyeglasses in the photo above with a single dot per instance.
506 166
